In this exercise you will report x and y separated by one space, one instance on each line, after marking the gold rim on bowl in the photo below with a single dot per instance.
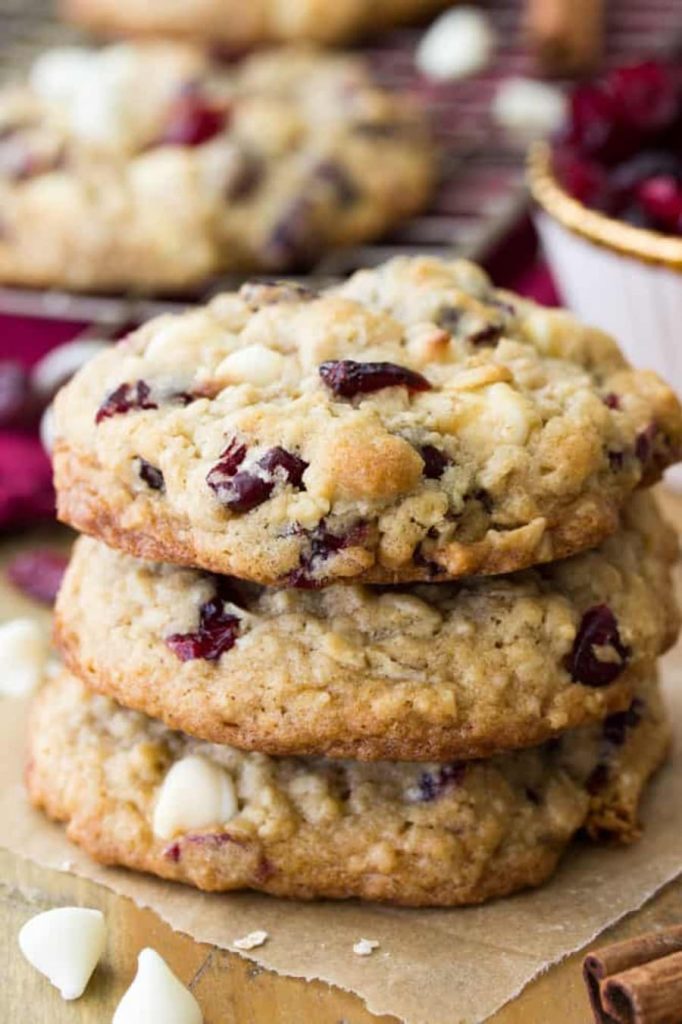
638 243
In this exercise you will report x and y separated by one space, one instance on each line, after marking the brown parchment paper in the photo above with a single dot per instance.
432 967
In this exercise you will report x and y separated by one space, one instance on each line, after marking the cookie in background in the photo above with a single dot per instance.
147 167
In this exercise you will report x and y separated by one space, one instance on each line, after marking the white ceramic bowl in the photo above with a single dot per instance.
624 279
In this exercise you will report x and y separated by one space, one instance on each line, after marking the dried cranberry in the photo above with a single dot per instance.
247 177
245 490
644 95
265 869
644 443
192 120
435 461
16 400
279 458
598 628
293 240
486 336
592 114
661 198
38 573
627 123
650 163
484 499
232 457
433 569
217 633
431 785
322 544
21 160
347 378
337 177
184 397
597 779
449 318
221 476
214 839
615 727
126 398
612 400
152 476
582 178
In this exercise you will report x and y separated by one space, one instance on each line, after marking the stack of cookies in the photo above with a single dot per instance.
371 596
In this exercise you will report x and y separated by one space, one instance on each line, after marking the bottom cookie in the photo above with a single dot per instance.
137 794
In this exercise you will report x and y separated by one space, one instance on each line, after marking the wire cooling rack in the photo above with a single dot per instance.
481 195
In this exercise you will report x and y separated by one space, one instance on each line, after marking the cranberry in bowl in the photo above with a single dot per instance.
608 197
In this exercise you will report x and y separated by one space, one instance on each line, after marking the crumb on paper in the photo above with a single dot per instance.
365 947
251 941
67 865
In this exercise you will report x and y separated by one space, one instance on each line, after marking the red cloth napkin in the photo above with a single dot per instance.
26 492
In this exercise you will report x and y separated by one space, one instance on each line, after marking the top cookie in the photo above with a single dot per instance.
245 22
148 167
413 424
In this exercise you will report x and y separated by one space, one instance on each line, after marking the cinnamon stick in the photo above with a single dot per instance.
650 994
604 970
565 35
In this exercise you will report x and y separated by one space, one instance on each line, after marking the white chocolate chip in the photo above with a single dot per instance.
529 108
254 364
47 429
156 996
496 415
511 414
251 941
57 72
60 364
24 651
479 376
196 793
92 89
65 945
365 947
458 43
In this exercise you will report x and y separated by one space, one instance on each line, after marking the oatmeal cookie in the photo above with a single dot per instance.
148 167
412 424
426 673
238 23
136 794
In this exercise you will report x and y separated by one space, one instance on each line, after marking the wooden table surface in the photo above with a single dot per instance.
231 990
